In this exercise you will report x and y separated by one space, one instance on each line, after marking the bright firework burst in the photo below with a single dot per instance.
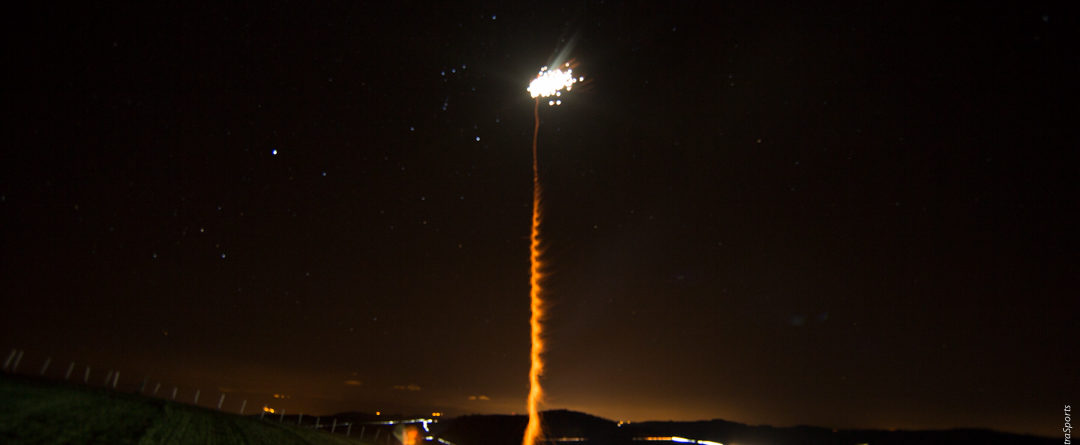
548 83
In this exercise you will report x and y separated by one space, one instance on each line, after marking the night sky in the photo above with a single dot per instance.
857 216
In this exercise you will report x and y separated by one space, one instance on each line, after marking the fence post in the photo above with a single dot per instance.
108 376
282 418
116 378
348 430
48 360
18 358
220 401
377 431
242 406
67 375
10 357
86 376
174 393
316 422
333 427
196 402
157 386
262 413
299 419
142 386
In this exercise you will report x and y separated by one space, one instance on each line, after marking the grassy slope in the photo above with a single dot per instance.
38 412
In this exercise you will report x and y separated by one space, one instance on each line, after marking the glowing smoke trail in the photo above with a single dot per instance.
547 83
532 431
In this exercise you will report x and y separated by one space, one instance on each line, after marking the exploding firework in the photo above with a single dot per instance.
548 84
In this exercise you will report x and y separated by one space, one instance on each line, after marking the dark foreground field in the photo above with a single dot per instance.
33 412
507 430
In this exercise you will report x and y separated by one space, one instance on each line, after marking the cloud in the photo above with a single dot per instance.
480 397
353 383
409 387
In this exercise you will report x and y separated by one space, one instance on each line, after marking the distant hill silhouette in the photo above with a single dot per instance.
508 430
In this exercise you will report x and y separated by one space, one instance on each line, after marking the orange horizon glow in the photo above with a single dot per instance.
533 431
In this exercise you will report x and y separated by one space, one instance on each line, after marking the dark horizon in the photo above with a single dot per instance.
842 216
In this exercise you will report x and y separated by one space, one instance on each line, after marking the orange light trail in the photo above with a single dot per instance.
533 430
547 84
